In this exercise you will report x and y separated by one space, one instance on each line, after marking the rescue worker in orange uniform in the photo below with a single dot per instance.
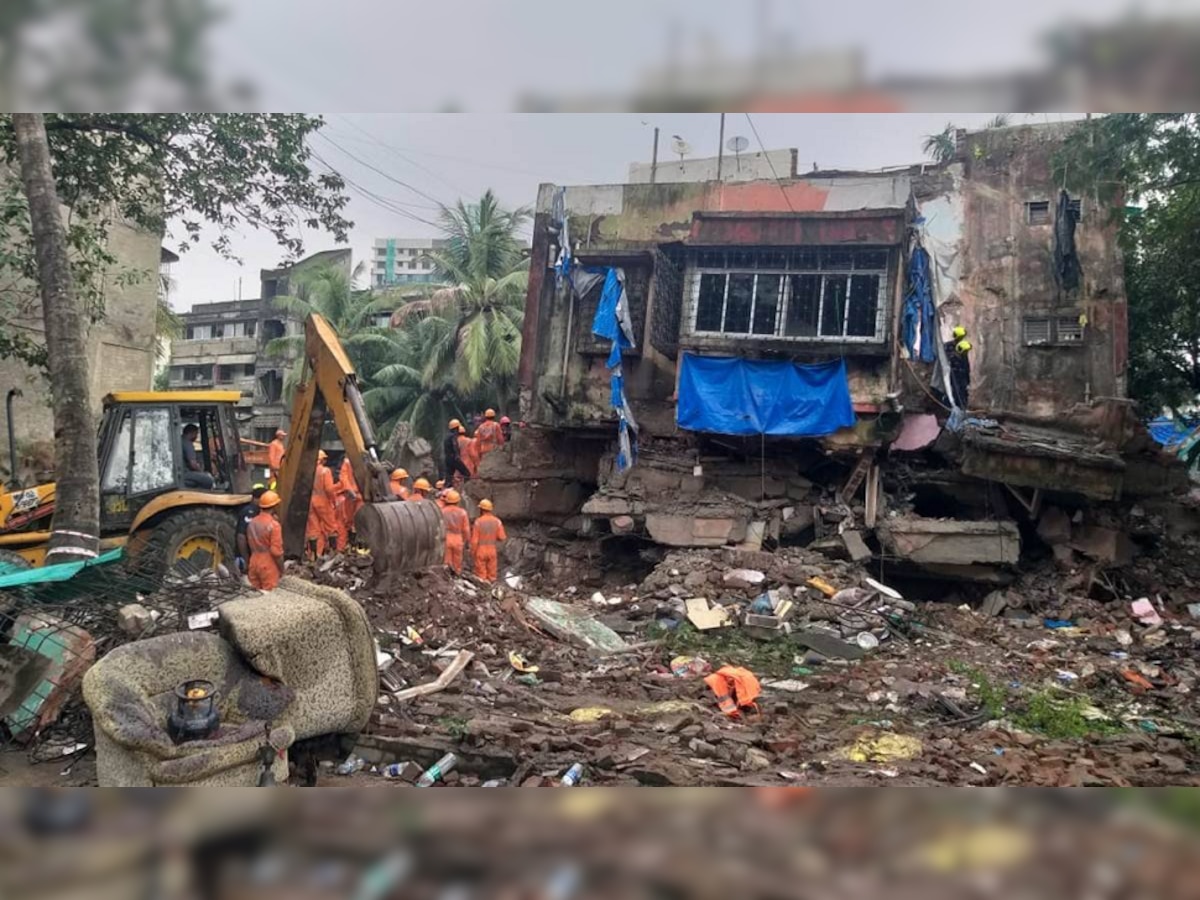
506 428
275 451
488 434
324 493
439 493
486 534
398 479
352 499
420 490
468 451
264 535
458 530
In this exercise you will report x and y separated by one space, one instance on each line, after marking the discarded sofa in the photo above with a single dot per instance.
294 663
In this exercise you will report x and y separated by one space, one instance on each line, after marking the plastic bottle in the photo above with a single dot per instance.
438 770
573 776
395 770
493 783
351 764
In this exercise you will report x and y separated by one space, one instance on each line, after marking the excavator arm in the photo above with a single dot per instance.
401 536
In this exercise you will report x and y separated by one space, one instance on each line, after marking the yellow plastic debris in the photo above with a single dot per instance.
590 714
822 585
882 748
989 847
518 662
665 708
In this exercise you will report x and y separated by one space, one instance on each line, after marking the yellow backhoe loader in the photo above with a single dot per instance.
170 518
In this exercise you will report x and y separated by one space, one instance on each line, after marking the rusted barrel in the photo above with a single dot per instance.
402 536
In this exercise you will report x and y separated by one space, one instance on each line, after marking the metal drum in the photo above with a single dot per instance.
402 536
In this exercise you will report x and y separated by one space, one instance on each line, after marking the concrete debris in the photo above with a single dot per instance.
704 616
135 620
855 546
952 542
573 624
744 578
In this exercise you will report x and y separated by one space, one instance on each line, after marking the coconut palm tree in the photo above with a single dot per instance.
329 291
941 147
463 333
1000 120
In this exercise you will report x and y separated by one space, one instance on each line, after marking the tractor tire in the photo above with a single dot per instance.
12 562
187 543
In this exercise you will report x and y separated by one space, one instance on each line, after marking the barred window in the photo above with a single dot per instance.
804 293
1041 330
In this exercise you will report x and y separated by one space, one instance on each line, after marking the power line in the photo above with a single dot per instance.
386 203
466 159
395 151
377 170
761 146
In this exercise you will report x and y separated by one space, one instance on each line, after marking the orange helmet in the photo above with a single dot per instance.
454 423
399 474
421 484
451 496
489 414
268 500
485 505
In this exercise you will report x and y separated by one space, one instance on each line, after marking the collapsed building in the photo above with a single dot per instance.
755 362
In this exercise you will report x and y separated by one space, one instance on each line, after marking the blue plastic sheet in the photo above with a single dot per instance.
612 321
916 322
729 395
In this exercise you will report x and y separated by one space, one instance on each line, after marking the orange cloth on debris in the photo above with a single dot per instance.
736 688
347 482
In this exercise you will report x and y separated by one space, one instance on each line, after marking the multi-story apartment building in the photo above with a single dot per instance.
225 345
403 260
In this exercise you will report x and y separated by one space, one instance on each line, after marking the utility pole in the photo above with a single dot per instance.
654 158
721 147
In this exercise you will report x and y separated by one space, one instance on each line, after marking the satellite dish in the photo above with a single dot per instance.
679 146
736 145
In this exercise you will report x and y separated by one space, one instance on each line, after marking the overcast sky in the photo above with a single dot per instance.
445 157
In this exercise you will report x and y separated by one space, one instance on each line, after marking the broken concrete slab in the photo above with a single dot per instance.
1054 526
951 541
828 645
744 578
755 532
855 546
1105 545
994 604
694 531
917 432
134 619
704 617
576 625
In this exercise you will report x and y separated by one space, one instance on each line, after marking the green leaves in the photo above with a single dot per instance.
1152 159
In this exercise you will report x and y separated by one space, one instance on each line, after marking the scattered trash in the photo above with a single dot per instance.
1066 675
690 666
1136 680
791 685
493 783
1194 610
351 764
196 621
978 768
438 771
1058 623
1123 637
866 640
590 714
1143 610
518 662
573 775
887 747
821 585
516 582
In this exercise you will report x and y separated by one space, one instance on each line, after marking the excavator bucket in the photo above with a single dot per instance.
402 536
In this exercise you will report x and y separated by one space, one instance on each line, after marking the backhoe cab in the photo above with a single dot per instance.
168 515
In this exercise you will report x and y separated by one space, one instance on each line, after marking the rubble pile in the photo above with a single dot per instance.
1036 684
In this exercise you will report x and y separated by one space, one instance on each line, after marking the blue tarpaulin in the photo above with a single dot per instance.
728 395
916 321
612 321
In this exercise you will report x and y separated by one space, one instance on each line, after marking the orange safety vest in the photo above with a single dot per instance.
488 531
264 534
489 435
458 524
466 452
736 689
275 453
